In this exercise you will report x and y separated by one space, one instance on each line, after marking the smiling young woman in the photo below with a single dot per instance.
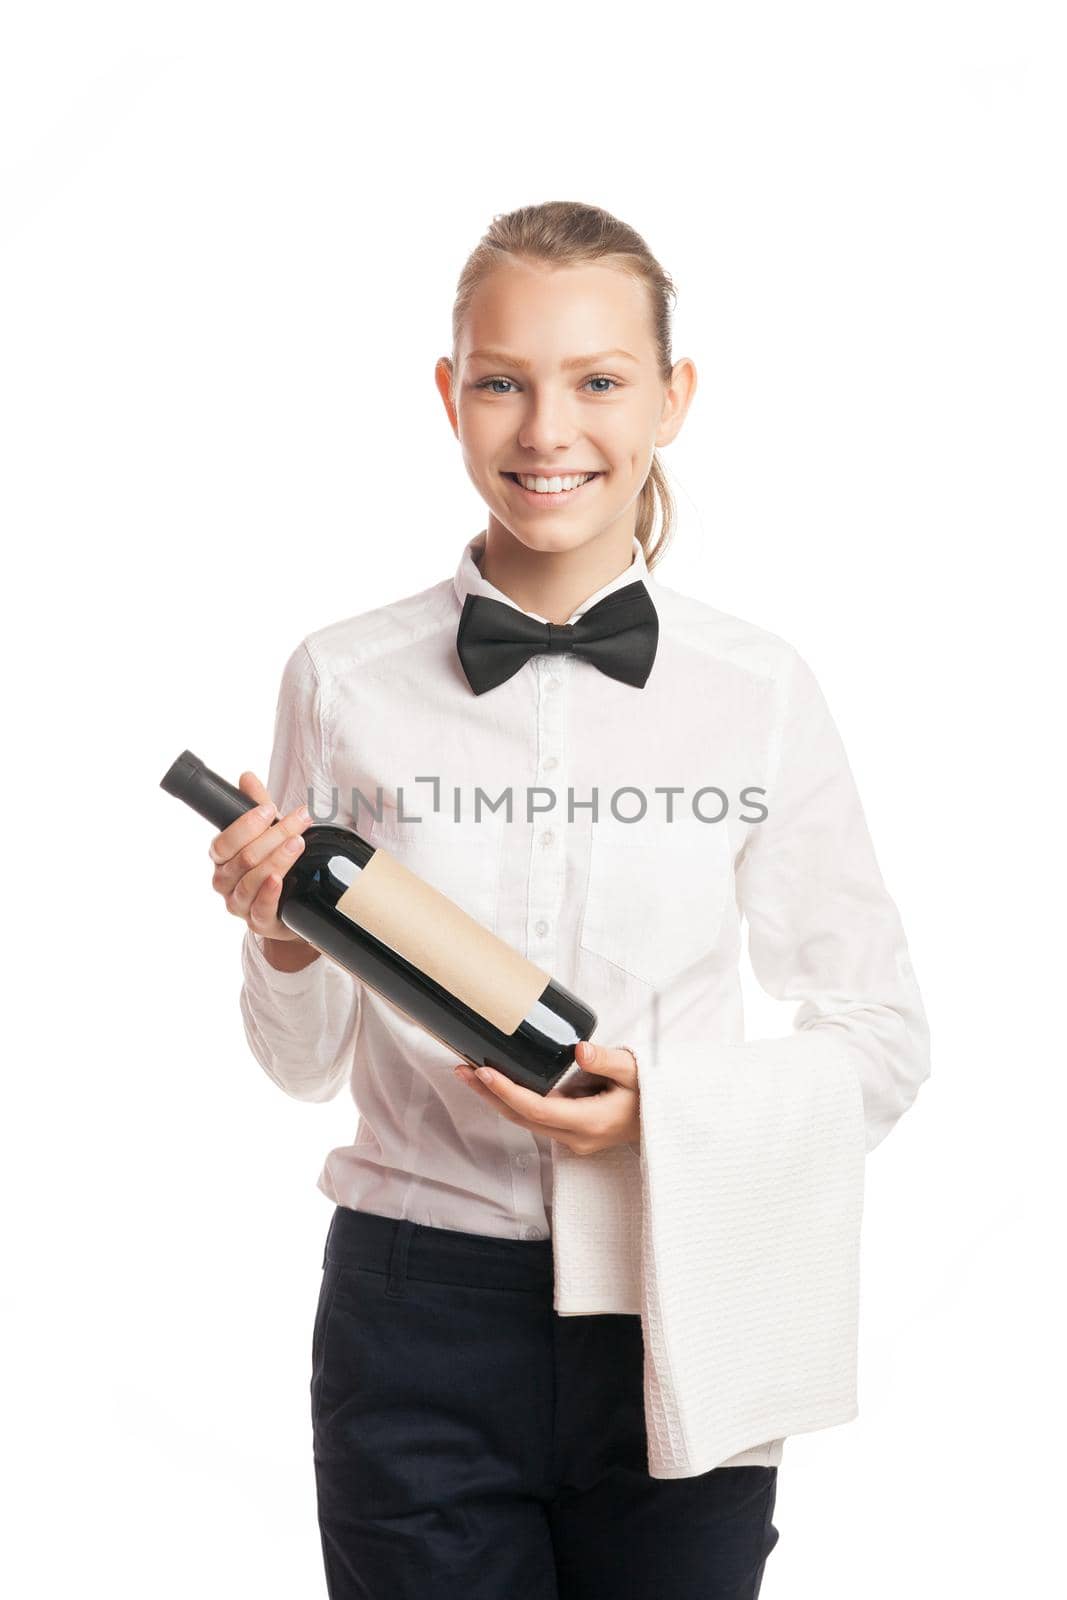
559 1343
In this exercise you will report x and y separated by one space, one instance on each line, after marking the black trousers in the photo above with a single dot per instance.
470 1442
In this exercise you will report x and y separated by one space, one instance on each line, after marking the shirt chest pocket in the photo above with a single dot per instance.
656 894
458 858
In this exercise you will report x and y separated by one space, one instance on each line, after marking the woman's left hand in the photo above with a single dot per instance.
586 1121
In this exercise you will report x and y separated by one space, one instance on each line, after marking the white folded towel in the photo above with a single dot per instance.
735 1236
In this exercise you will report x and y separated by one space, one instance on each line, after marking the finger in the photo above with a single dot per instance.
467 1075
618 1063
573 1140
261 840
249 824
277 862
249 784
263 912
538 1109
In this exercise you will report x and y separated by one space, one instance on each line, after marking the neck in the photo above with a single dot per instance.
553 583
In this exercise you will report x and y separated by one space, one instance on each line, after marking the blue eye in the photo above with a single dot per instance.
598 378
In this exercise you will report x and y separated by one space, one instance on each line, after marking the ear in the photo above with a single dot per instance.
442 377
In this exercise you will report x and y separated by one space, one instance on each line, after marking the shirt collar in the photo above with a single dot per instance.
469 579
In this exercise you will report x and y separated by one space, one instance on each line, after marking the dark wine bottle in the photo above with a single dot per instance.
361 907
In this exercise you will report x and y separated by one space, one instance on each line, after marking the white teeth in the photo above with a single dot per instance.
553 485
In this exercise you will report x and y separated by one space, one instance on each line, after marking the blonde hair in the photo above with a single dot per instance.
567 233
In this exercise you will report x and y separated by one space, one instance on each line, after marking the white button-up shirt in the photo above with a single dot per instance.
641 919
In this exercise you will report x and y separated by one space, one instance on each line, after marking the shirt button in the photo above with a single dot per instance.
532 1233
522 1162
550 762
547 837
541 928
551 683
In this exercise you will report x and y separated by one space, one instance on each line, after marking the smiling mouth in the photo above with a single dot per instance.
553 495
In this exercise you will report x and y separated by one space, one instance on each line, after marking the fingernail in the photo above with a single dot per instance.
484 1073
266 810
293 845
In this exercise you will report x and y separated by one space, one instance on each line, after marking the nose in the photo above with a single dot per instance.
548 425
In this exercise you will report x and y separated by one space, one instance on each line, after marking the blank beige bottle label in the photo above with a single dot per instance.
437 936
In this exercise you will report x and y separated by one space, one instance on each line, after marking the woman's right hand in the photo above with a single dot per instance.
252 856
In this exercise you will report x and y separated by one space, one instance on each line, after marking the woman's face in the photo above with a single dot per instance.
557 377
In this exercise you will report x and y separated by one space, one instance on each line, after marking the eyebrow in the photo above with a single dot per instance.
507 360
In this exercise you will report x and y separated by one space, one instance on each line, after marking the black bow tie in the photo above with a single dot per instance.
619 635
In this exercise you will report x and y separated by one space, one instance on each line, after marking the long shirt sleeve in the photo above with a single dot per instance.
300 1026
822 928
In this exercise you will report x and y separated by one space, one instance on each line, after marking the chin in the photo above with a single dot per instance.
549 541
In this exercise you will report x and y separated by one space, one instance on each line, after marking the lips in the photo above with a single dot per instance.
549 501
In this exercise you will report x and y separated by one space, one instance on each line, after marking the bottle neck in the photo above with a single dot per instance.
206 792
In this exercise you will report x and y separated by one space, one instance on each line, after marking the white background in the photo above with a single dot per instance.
230 239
